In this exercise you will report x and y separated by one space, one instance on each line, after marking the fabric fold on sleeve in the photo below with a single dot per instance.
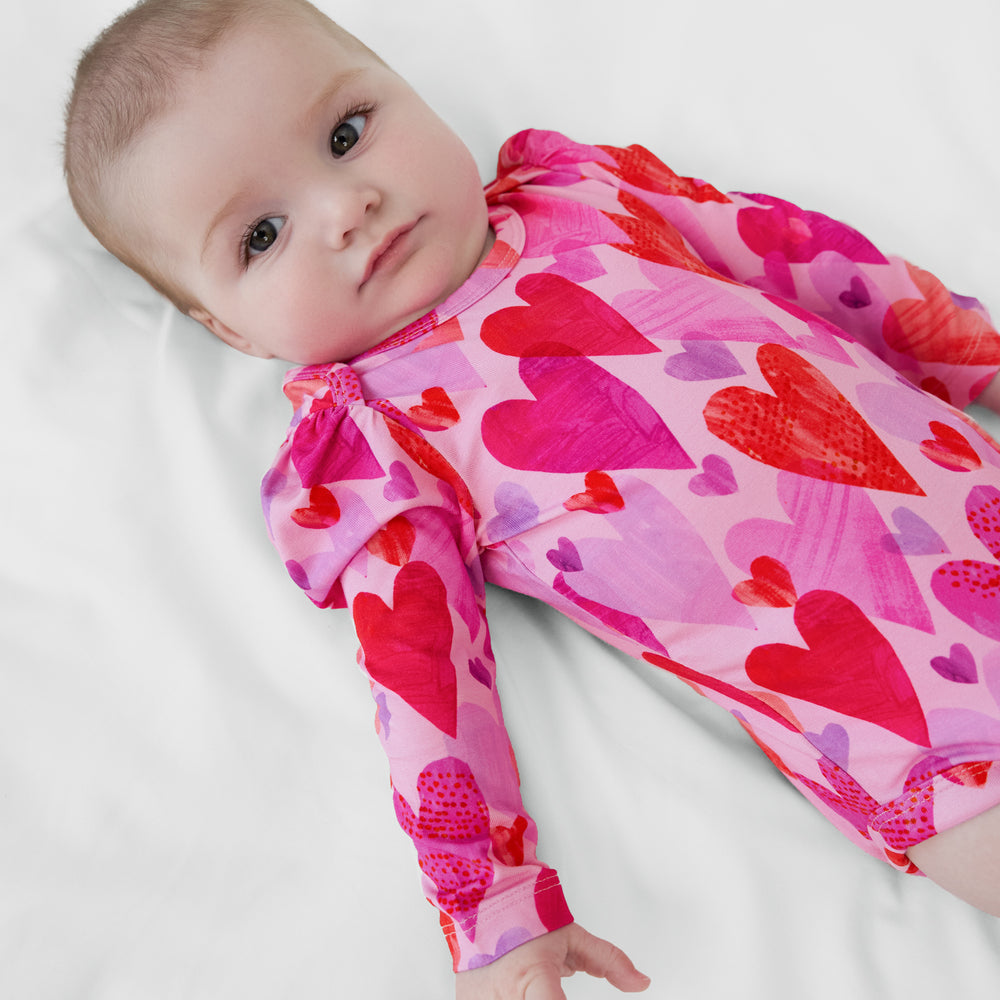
816 267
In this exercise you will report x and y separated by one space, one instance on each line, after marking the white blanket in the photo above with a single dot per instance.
193 804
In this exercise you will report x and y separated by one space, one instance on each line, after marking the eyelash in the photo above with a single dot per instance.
353 111
246 258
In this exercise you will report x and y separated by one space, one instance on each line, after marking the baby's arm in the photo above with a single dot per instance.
533 971
368 515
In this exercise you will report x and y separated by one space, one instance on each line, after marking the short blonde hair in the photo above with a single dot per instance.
126 79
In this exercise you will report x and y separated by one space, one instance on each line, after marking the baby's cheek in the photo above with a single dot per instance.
323 331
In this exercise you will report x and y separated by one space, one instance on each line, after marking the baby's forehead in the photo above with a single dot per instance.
262 86
258 49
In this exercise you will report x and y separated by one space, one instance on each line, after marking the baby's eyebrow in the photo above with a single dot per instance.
338 83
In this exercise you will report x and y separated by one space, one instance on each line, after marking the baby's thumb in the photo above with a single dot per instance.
601 958
625 976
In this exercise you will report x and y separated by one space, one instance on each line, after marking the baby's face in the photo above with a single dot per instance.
305 196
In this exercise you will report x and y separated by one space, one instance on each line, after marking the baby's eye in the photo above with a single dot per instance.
347 133
261 236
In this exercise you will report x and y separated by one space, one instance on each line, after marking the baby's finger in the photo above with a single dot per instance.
602 959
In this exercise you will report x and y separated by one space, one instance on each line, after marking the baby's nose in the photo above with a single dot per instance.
345 211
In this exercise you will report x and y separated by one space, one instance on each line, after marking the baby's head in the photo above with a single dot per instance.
270 175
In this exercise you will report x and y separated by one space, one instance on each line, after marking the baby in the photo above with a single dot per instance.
719 431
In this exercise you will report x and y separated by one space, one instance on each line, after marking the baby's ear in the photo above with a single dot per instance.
224 333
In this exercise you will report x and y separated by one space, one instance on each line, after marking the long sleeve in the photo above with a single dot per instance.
367 515
819 269
942 342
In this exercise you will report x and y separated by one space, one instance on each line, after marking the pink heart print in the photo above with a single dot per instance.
582 418
969 588
450 832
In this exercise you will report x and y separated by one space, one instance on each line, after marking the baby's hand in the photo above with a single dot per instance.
533 970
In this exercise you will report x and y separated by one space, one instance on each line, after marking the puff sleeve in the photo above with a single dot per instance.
367 515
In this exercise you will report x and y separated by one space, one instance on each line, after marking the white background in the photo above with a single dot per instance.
193 805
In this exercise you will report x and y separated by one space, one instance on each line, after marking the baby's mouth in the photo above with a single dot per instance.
392 248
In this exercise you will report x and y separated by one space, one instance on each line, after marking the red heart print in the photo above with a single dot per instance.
971 775
653 238
393 543
430 460
636 165
561 318
600 497
770 587
323 510
699 680
508 842
949 449
550 904
806 427
435 411
848 666
934 328
407 648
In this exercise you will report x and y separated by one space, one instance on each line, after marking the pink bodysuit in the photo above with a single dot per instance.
692 422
